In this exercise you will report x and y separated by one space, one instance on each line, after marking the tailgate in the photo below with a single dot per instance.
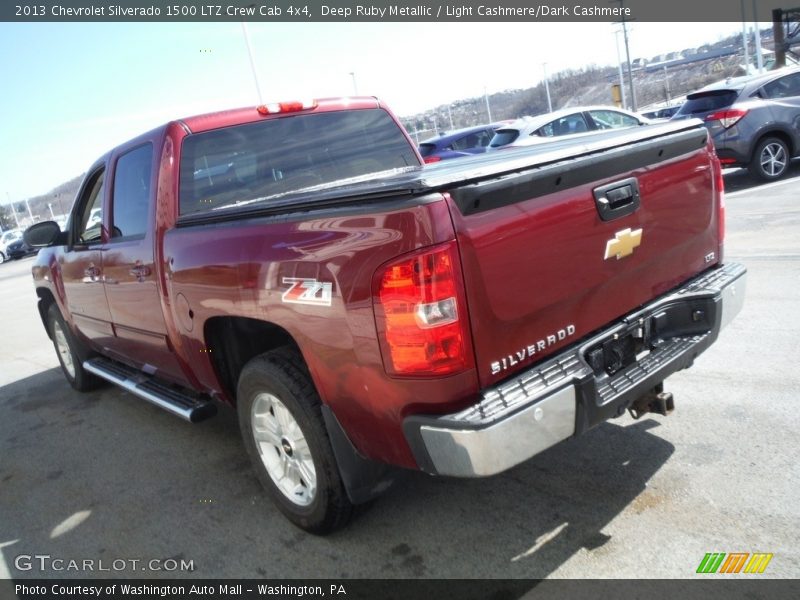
552 253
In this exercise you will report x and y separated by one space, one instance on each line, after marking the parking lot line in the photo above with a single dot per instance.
766 186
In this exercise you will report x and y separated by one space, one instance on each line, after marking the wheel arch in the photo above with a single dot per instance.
234 341
46 299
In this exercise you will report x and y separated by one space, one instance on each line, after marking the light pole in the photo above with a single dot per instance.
759 56
619 68
744 42
547 88
450 116
13 209
628 58
486 97
355 87
628 54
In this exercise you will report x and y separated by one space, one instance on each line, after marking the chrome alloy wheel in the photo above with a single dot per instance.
63 349
283 449
773 159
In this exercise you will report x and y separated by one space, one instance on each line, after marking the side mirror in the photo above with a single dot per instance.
41 235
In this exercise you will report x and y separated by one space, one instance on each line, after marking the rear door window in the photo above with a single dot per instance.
574 123
275 157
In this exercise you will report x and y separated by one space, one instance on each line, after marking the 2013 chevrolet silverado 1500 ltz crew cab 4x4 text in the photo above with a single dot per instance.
362 312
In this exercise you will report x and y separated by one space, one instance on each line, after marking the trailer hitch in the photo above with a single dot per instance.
656 401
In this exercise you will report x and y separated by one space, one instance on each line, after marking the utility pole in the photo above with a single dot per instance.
486 97
450 116
777 32
355 87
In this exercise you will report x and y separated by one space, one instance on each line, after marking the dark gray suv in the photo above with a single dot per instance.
754 120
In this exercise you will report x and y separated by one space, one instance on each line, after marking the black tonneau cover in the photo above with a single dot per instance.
584 158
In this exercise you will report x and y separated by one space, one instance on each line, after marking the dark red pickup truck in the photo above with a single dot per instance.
363 312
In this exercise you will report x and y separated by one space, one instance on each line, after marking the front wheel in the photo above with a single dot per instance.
284 434
770 159
66 349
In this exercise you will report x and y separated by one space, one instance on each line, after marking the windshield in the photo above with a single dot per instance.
276 157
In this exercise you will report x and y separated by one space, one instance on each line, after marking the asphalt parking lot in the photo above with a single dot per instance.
105 476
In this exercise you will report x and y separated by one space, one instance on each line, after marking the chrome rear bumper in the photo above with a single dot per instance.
564 395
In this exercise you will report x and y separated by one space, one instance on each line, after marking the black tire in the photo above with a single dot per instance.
78 377
281 375
770 159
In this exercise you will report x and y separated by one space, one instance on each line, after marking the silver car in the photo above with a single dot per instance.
527 131
754 120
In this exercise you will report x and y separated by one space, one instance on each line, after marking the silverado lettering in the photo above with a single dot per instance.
528 351
297 263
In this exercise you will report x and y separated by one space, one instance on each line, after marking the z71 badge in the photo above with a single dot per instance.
307 291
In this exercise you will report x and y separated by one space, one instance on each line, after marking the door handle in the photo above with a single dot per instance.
617 199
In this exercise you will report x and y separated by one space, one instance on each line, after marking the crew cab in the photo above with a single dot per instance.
364 313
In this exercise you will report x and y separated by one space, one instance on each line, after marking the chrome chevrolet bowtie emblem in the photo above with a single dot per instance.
623 243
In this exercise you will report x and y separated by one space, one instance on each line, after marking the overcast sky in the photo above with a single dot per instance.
72 91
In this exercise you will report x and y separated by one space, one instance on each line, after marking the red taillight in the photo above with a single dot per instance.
728 118
432 159
419 313
727 161
286 107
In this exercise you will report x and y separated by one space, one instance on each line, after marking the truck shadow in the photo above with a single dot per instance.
107 477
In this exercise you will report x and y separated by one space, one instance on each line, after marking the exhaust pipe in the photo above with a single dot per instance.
657 401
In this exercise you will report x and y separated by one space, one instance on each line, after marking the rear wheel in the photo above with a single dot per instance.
284 434
770 159
66 349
